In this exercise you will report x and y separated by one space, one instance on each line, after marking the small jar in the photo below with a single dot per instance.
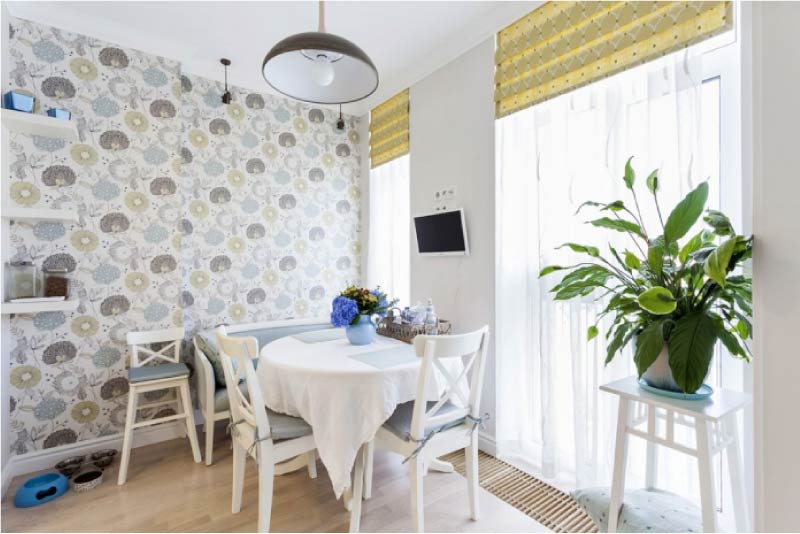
23 279
56 283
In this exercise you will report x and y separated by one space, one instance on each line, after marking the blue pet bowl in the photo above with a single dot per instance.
18 101
58 113
41 489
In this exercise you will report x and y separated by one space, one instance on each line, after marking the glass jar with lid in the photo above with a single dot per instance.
56 282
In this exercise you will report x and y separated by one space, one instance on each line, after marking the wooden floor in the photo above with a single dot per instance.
167 492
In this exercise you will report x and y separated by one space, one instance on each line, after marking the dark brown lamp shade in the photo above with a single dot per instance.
321 68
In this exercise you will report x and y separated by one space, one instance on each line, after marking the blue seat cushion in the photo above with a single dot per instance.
157 372
643 510
282 426
399 423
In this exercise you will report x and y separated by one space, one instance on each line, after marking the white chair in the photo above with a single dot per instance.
421 431
269 437
143 378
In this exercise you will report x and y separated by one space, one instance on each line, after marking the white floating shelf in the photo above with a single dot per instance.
39 307
38 214
33 124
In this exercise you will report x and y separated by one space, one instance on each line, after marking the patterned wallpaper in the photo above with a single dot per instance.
190 212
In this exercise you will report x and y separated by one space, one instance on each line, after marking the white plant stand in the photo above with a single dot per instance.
714 422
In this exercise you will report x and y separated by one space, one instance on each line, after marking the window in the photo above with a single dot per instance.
389 223
550 159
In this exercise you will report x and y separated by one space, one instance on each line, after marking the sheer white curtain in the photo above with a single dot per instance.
551 158
389 223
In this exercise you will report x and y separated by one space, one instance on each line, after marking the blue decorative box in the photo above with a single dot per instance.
41 489
18 101
59 113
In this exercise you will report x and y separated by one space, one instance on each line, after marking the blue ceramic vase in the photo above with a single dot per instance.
362 333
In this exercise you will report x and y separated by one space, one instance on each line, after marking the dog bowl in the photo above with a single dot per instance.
87 480
70 466
103 458
41 489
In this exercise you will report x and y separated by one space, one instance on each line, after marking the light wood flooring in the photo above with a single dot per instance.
167 492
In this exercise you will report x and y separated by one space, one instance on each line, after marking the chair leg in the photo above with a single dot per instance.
266 474
416 474
358 490
239 462
369 454
209 431
312 463
127 437
473 480
186 401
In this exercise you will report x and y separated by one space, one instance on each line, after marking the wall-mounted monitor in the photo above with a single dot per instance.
443 233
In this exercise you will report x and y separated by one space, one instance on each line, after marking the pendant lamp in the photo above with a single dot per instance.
320 67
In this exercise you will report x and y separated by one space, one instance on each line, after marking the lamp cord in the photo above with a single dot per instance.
321 28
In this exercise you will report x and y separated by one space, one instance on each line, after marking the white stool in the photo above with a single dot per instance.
142 378
714 422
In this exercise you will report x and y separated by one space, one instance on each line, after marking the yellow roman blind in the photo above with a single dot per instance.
561 46
388 130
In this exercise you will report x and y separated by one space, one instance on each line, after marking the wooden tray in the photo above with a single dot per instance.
406 332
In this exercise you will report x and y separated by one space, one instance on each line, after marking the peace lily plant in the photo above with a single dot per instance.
674 299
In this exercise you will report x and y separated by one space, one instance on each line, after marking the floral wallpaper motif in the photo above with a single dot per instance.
272 193
190 212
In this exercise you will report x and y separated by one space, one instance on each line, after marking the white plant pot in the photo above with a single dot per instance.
659 375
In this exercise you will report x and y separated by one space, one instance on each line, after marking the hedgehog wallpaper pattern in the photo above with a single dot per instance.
190 213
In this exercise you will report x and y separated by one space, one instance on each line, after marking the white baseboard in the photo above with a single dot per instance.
31 462
487 443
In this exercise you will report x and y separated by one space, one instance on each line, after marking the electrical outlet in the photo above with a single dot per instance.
445 193
442 205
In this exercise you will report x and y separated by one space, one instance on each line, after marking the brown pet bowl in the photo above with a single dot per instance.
70 466
103 458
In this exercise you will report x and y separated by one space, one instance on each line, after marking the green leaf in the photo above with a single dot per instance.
630 175
691 346
686 213
617 205
719 222
618 341
657 300
619 225
693 245
631 260
649 344
584 249
655 257
550 269
743 329
591 203
591 333
652 181
716 264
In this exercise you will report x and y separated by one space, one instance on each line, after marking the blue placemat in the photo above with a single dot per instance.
318 336
383 359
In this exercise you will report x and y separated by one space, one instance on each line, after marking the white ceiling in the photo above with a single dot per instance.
406 40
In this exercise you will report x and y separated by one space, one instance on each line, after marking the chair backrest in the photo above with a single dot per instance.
248 412
463 388
142 354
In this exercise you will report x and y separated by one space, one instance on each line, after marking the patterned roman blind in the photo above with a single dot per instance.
388 130
561 46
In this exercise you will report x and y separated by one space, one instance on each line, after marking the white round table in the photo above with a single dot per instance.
345 392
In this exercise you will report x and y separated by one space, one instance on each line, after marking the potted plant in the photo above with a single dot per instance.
672 297
355 308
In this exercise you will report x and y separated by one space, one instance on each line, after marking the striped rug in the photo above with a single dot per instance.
542 502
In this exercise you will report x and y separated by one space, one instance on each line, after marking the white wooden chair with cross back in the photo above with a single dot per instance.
143 377
269 437
423 430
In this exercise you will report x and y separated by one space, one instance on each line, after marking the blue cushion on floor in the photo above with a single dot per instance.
157 372
642 510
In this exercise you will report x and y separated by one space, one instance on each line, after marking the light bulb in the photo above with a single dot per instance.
322 71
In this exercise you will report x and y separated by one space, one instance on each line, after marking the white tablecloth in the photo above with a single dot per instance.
344 399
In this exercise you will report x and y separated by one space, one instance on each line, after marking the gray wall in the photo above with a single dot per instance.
452 144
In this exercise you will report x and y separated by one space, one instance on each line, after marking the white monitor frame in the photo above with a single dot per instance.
464 252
